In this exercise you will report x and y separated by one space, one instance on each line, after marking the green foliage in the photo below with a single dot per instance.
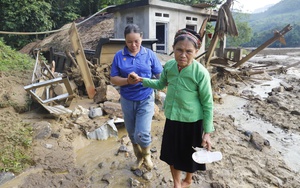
15 156
12 60
25 15
245 31
63 12
276 18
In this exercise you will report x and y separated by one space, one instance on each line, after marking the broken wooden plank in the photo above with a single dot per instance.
276 36
211 49
82 62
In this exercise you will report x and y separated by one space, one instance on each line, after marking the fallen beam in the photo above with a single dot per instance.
277 35
82 62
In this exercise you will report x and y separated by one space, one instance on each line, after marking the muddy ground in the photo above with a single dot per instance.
66 158
257 131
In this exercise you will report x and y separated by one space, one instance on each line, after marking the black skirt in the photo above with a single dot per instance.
176 148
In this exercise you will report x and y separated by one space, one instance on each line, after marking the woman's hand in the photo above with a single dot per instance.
206 143
133 78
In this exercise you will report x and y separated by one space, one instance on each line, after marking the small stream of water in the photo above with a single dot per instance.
287 143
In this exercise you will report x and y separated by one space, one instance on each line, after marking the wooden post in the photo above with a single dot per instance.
82 62
211 49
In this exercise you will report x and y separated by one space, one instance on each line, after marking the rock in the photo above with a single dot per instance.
112 94
82 119
258 141
272 99
134 183
295 112
95 112
49 146
123 149
55 135
153 150
100 95
148 175
100 165
79 110
107 178
248 133
6 176
138 172
113 109
60 88
160 98
217 185
106 93
42 130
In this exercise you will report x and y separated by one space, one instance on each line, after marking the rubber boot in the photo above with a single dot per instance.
138 153
147 158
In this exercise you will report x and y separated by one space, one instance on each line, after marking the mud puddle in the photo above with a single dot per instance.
102 160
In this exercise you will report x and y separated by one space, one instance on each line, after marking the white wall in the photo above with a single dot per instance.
146 19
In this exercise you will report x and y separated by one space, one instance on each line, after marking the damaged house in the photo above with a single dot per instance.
160 20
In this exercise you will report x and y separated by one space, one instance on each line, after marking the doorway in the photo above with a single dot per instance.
161 36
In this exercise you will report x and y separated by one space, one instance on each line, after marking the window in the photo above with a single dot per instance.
129 20
166 15
192 27
158 14
188 18
195 19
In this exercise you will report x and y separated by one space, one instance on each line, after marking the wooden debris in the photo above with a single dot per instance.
82 62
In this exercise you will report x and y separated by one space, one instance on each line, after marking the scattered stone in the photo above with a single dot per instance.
55 135
148 175
153 150
49 146
107 178
248 133
123 148
95 112
42 130
112 94
257 140
270 132
101 165
217 185
100 95
82 119
134 183
266 143
294 112
138 172
113 109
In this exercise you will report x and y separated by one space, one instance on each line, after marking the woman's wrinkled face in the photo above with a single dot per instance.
133 42
184 52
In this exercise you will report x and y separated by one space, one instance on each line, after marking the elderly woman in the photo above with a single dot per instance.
188 107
